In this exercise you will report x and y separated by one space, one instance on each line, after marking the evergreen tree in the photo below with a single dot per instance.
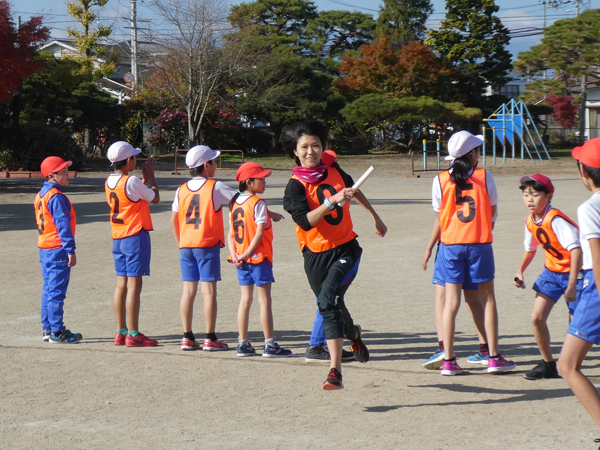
95 60
473 40
403 20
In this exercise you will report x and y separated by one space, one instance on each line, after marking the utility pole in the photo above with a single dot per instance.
583 109
134 67
544 27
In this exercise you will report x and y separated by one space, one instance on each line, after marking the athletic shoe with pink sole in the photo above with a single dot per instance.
451 368
333 381
119 339
188 344
139 341
214 346
499 364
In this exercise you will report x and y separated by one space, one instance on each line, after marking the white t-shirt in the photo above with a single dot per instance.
567 234
588 215
134 188
436 192
222 193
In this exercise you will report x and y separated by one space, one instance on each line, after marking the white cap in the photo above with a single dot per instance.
199 155
461 143
120 151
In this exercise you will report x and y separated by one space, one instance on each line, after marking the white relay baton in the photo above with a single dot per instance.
360 181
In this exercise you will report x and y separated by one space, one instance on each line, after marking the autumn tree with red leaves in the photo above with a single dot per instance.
378 69
17 50
565 112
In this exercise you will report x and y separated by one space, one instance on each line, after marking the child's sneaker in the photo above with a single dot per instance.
451 368
188 344
64 337
275 351
139 341
499 364
541 371
359 349
46 335
246 350
119 339
214 346
436 361
479 358
333 381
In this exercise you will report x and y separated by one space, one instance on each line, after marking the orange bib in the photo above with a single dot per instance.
336 227
558 259
199 224
244 230
465 213
127 217
48 233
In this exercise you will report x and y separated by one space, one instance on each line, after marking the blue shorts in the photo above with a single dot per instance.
554 285
468 284
259 274
460 261
132 255
586 320
200 264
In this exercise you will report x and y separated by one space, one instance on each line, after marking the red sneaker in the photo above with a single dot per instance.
359 349
188 344
333 381
214 346
139 341
119 339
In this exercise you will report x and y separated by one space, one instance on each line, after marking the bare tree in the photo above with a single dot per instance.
193 62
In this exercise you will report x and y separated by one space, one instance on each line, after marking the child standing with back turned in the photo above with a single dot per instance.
465 198
584 329
250 241
130 221
559 237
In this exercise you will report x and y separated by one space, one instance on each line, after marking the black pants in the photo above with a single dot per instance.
330 274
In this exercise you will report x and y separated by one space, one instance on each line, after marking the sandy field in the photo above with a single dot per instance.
94 395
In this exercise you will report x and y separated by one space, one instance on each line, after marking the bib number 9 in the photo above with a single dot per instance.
330 218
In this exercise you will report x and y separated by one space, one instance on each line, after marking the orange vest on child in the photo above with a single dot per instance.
200 226
48 233
558 259
336 227
127 218
465 213
244 230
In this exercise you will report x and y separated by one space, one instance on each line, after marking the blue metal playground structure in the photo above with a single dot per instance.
511 124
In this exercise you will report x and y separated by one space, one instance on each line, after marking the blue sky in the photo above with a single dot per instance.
515 14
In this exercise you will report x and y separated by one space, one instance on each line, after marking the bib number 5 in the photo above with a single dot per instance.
462 199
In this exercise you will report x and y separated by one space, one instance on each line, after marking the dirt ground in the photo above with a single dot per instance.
97 396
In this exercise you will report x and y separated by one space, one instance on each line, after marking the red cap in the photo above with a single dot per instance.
53 164
251 170
542 179
588 153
